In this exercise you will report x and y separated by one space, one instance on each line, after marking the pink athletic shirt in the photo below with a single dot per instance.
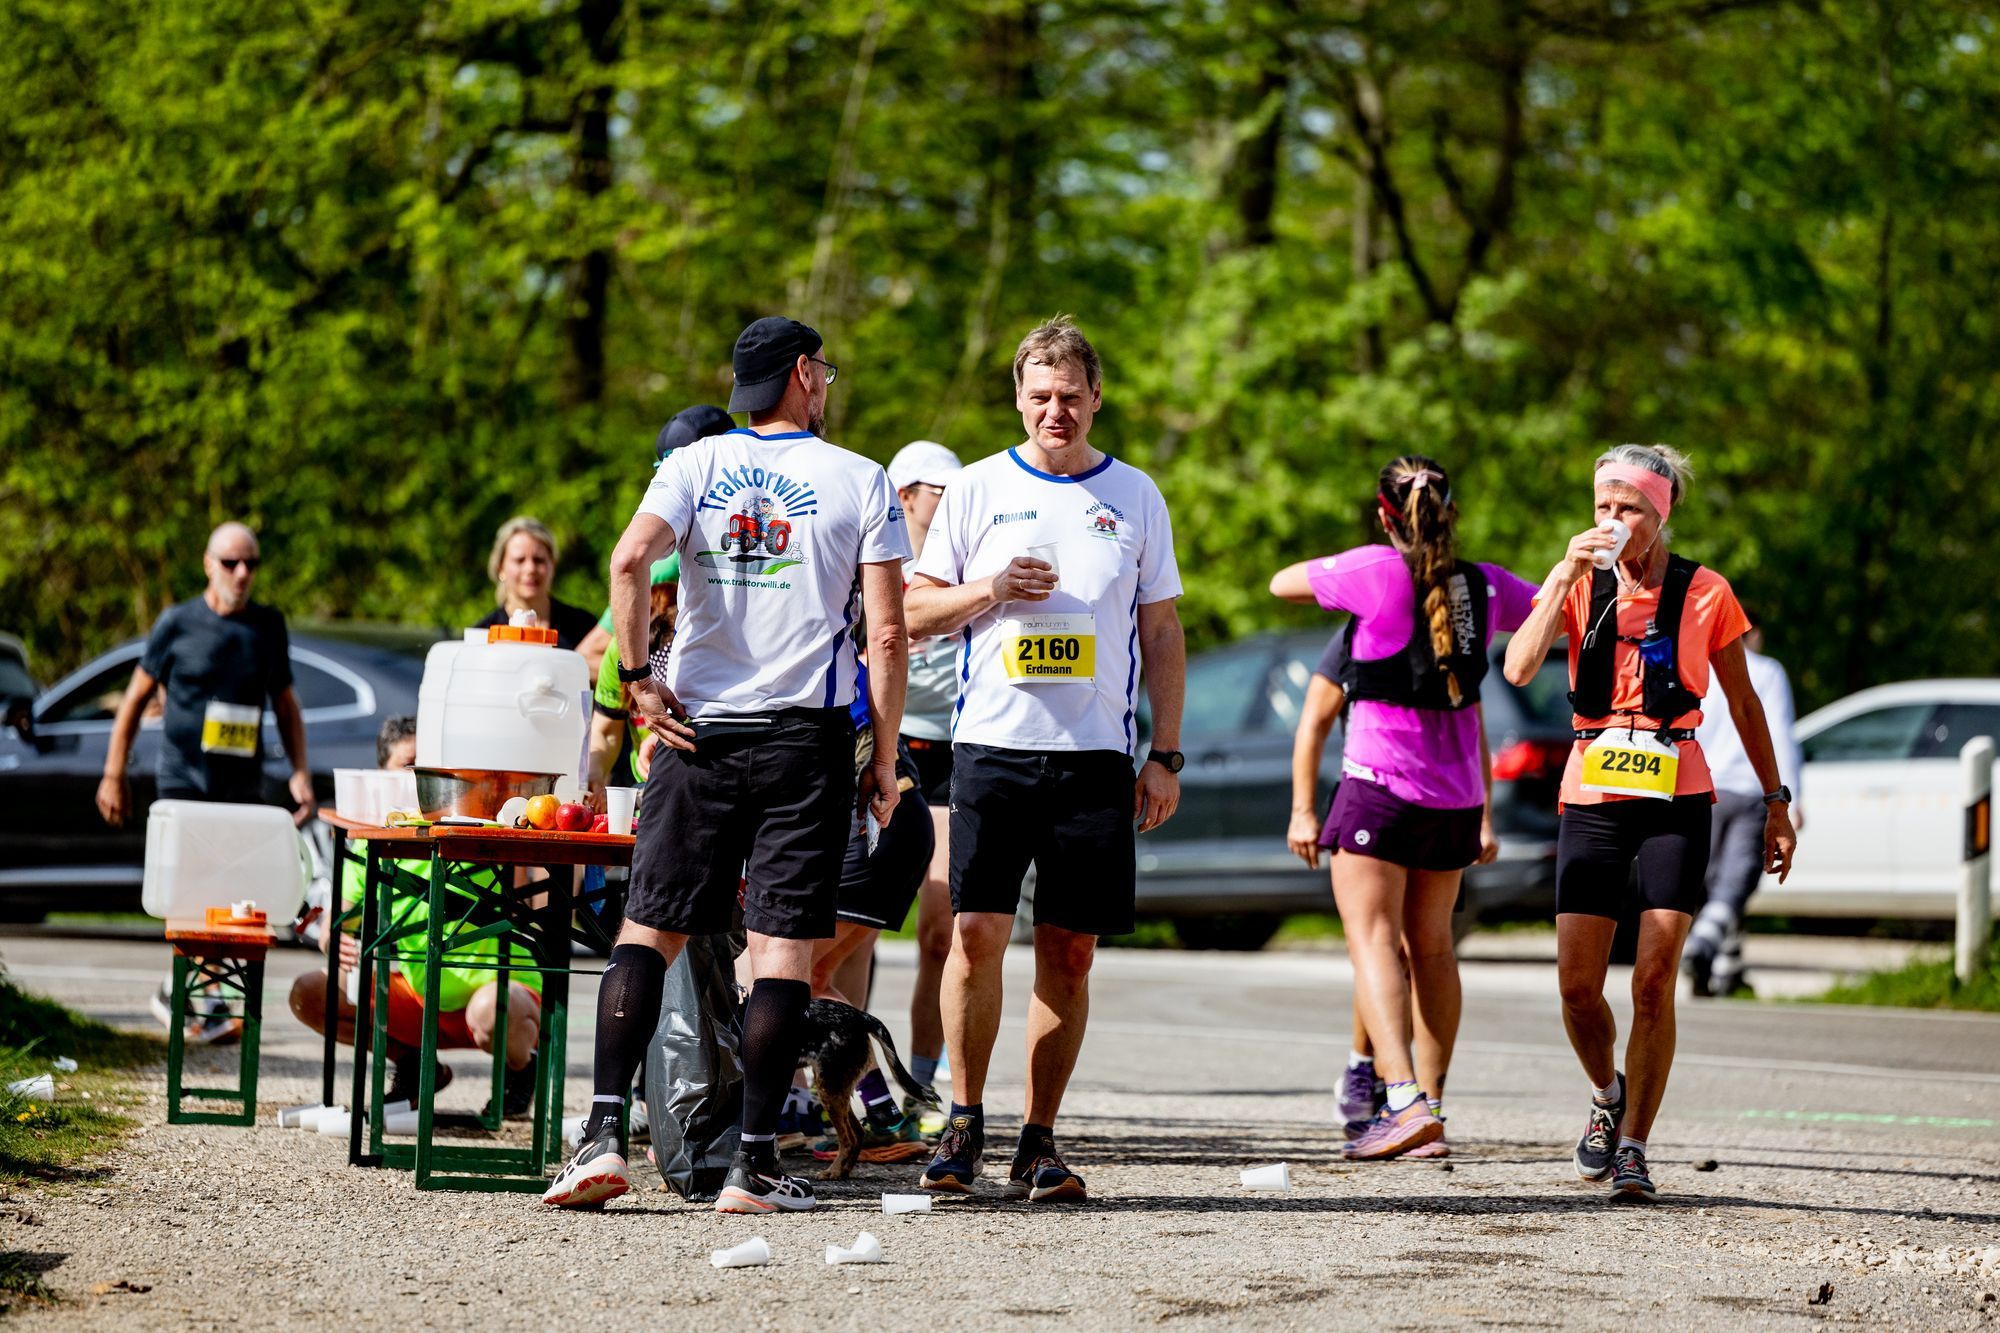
1426 756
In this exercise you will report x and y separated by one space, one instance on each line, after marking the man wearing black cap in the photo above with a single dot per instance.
682 429
782 538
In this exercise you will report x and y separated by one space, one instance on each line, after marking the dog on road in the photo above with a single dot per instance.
836 1050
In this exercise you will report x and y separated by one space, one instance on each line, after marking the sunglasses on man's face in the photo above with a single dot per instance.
249 562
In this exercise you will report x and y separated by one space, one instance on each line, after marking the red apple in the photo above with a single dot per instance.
574 818
601 824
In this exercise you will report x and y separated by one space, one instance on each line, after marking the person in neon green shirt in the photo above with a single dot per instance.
468 996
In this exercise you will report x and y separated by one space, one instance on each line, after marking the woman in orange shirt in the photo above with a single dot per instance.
1646 630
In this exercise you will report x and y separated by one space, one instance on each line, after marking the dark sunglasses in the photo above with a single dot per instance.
248 562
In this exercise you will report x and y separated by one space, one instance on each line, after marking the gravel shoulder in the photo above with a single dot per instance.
1801 1152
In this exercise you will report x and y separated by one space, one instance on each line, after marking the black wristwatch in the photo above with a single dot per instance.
1171 760
633 675
1783 793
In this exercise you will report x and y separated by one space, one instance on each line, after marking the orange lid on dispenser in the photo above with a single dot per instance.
521 634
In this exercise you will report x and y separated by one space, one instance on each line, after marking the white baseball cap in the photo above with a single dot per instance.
923 461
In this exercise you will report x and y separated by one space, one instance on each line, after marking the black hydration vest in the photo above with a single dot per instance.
1666 698
1415 677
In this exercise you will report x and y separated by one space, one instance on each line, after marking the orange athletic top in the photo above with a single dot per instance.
1711 620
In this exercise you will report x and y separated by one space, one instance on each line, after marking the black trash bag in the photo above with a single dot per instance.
694 1069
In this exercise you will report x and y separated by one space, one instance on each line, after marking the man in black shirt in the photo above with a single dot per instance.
219 656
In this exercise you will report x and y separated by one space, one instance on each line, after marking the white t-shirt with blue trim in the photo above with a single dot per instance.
772 531
1114 547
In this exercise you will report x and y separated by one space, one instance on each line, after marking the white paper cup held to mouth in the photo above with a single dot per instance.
893 1204
1620 534
865 1250
752 1253
1275 1177
618 806
1048 553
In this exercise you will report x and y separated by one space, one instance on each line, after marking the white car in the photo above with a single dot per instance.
1883 801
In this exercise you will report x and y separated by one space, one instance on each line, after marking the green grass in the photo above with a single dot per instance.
1924 983
56 1141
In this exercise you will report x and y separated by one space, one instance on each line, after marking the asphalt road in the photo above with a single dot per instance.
1856 1158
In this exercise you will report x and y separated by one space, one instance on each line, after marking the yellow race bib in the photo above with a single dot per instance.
1038 650
1622 762
231 729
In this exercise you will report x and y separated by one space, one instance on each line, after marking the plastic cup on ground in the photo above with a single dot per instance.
402 1123
41 1088
752 1253
1620 534
299 1117
335 1120
865 1250
64 1065
1048 552
892 1204
1275 1177
618 805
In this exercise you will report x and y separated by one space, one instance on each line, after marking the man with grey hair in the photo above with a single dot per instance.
1056 563
219 657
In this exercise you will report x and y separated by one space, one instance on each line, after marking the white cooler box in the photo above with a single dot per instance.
202 854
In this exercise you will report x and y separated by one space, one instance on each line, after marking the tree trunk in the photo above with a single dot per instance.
588 282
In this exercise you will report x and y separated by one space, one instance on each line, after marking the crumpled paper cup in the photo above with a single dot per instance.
1275 1177
752 1253
865 1250
892 1204
41 1088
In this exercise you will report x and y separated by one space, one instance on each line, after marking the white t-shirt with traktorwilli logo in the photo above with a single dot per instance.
1060 674
771 531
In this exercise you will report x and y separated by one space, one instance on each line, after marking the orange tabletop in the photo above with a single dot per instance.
509 846
198 939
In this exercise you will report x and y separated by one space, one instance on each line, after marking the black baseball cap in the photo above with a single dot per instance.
765 355
691 424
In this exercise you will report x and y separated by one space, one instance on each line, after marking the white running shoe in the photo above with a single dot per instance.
596 1175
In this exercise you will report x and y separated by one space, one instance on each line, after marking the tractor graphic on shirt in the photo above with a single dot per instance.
755 531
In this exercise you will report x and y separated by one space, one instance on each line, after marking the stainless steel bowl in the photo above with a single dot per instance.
478 792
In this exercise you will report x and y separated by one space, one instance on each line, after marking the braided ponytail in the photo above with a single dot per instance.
1422 519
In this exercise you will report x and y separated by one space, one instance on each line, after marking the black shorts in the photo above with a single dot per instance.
933 761
769 808
1370 820
877 889
1600 846
1069 813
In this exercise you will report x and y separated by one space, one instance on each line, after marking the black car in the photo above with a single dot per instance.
1220 866
57 853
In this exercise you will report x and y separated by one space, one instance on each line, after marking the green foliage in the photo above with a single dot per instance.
1925 982
53 1141
374 276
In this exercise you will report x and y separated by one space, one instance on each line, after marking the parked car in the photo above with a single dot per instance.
57 853
1220 866
1882 797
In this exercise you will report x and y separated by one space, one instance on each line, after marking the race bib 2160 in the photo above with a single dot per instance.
1040 650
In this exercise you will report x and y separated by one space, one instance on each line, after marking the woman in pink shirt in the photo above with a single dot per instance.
1411 812
1645 629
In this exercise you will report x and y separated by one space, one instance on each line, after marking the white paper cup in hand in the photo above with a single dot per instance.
1620 534
618 806
865 1250
752 1253
1275 1177
1047 553
893 1204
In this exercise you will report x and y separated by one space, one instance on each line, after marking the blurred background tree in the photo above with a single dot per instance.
374 275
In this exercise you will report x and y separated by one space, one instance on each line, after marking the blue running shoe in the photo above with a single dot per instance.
1630 1179
956 1163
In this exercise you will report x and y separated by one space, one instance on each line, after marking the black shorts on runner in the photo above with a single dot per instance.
768 806
933 761
1599 846
1370 820
877 889
1069 813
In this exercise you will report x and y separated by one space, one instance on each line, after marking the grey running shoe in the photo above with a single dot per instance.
1631 1180
1600 1136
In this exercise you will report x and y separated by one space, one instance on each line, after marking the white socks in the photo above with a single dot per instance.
1624 1143
1606 1096
1401 1095
1356 1059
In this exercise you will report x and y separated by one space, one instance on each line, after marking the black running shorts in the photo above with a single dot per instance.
1067 813
1600 846
933 761
767 807
876 889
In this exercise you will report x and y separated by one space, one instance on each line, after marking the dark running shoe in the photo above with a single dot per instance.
1047 1180
750 1189
1631 1180
1594 1150
518 1095
956 1163
594 1176
403 1080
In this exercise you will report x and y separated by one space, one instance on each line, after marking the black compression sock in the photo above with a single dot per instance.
774 1022
628 1010
1035 1141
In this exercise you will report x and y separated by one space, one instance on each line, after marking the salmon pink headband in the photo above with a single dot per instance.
1659 492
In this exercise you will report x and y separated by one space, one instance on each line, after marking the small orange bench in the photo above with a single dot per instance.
222 954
